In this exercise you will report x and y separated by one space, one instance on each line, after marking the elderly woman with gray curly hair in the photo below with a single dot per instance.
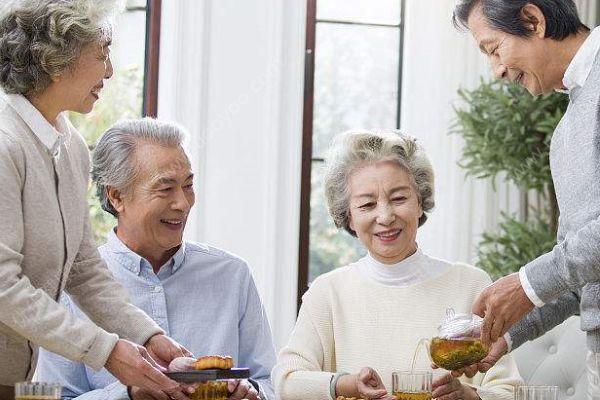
54 57
361 322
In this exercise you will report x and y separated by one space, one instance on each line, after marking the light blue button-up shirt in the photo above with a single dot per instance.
203 297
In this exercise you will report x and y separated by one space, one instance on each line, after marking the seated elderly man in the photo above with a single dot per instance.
201 296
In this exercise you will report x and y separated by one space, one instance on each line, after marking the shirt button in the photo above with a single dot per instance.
552 349
570 391
157 289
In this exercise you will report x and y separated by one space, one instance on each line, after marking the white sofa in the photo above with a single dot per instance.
557 358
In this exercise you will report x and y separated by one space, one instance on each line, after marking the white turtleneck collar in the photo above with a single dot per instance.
414 269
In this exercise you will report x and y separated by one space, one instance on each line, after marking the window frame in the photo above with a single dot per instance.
307 129
152 57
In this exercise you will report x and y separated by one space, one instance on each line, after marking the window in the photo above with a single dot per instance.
352 80
131 92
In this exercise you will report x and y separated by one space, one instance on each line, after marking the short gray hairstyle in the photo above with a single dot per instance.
41 38
355 149
113 162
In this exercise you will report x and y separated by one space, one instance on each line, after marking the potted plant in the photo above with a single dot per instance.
507 132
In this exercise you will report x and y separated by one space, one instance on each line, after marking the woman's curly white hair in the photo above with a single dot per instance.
355 149
41 38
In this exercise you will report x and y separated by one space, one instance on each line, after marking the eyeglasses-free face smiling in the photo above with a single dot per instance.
385 211
521 60
153 215
79 86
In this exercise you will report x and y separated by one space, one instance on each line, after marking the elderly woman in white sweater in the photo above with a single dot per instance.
359 323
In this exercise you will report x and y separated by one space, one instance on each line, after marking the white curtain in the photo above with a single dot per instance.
232 73
438 60
588 11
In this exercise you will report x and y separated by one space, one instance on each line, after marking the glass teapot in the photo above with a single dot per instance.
457 344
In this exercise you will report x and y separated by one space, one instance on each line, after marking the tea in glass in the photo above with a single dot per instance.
412 385
37 391
453 354
412 395
211 390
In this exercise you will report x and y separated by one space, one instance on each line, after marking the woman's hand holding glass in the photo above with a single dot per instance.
448 387
366 384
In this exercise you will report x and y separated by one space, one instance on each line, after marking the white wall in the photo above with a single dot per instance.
232 73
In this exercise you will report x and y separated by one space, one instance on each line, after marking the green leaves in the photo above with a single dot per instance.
514 245
506 130
121 99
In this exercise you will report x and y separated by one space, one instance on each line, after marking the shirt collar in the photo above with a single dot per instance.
42 129
178 257
134 262
580 67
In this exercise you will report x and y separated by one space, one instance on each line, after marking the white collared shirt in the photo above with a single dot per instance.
580 67
51 136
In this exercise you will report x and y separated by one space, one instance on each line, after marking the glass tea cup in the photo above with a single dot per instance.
412 385
37 391
526 392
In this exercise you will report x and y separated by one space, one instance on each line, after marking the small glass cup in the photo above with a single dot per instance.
37 391
526 392
412 385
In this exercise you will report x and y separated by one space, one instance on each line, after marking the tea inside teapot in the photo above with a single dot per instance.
453 354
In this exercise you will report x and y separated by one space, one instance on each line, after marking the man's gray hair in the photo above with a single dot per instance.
355 149
562 19
41 38
113 162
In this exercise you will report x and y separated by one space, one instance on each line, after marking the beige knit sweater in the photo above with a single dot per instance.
46 246
348 321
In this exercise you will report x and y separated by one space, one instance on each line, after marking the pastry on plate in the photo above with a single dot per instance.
213 362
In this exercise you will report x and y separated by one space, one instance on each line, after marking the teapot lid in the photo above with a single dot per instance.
460 325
